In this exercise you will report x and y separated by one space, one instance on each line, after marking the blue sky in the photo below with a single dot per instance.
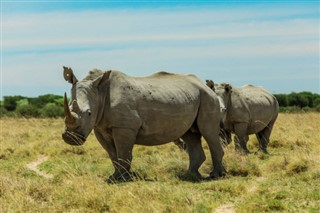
274 44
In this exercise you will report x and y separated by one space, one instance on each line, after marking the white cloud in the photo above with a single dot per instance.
221 43
62 29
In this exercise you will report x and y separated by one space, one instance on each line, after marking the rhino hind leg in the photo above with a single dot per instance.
209 128
195 152
241 138
217 153
263 137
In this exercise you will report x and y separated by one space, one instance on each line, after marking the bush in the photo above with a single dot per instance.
3 111
27 111
42 100
45 105
300 100
291 109
51 110
282 99
10 102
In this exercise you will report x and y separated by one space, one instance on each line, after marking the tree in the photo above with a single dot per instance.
282 99
296 99
10 102
52 110
27 111
307 96
3 111
42 100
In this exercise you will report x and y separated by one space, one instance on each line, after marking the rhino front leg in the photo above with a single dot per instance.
241 137
181 144
124 140
107 143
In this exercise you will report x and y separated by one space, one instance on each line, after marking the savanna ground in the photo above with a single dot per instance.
73 178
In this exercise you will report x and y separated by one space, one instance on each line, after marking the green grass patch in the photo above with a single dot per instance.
287 180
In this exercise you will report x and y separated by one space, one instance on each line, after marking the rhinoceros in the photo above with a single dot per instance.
153 110
248 110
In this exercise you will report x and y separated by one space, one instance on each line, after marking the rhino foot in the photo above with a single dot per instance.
243 151
264 151
191 177
195 176
218 174
123 177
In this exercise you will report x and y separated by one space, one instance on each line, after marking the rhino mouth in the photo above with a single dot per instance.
73 138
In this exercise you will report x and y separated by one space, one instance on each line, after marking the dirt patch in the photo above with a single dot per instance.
229 207
254 187
34 167
226 208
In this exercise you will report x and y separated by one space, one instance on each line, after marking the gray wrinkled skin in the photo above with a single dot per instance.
152 110
249 110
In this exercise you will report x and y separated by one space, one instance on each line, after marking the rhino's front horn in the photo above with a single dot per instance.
69 117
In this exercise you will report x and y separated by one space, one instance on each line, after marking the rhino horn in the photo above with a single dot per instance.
67 112
75 106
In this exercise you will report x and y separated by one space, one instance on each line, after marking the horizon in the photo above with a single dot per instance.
274 44
61 96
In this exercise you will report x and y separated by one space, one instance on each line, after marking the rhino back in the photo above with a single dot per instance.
253 105
163 106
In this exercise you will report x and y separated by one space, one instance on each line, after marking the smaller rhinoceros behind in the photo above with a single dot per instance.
249 110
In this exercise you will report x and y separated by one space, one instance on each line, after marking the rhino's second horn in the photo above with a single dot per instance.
69 118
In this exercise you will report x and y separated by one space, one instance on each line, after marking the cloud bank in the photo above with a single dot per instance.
277 48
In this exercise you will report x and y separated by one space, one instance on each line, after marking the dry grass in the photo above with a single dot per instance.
287 181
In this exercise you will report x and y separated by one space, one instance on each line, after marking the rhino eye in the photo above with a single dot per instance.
89 112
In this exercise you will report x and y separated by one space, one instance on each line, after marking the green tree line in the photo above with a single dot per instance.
305 101
42 106
52 105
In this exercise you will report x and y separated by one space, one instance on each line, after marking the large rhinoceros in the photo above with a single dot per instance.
152 110
248 110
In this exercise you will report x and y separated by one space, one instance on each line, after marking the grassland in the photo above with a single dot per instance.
286 181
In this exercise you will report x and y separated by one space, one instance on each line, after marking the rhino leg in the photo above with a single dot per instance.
263 142
107 143
219 170
225 137
124 140
241 138
209 127
217 153
181 144
263 137
195 151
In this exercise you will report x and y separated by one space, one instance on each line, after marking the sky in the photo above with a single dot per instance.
274 44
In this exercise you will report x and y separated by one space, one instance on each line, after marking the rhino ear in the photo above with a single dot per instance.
69 76
101 79
228 88
210 84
